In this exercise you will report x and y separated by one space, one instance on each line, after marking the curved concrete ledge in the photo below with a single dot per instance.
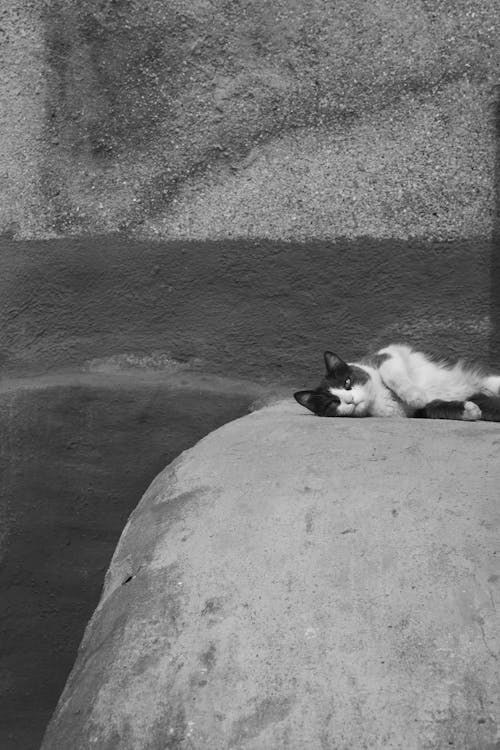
294 583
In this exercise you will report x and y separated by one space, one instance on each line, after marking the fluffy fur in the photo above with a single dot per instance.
401 382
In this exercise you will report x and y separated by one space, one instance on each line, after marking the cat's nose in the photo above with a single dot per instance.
347 397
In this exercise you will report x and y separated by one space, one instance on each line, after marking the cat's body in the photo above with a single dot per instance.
401 382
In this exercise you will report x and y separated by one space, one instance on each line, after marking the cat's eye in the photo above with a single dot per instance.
347 384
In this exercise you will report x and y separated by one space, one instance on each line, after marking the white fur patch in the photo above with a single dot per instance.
492 382
353 402
417 380
471 412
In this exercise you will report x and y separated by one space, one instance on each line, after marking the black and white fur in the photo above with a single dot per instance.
401 382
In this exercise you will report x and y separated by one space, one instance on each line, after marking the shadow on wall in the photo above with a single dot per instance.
74 462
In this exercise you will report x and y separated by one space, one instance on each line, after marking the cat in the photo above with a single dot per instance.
400 382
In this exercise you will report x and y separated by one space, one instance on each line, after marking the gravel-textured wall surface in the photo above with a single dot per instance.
24 141
249 118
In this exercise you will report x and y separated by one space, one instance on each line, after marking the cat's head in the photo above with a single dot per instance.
345 391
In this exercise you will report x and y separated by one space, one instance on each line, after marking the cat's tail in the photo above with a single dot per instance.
492 383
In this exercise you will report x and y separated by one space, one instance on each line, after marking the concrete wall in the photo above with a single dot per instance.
261 310
244 119
303 122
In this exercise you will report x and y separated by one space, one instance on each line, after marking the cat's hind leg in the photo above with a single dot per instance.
463 410
492 382
489 406
394 374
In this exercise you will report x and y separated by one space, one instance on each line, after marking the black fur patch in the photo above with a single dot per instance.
336 378
358 375
439 409
489 405
320 401
336 368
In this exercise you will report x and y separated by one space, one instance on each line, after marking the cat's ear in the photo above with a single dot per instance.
322 404
307 398
332 362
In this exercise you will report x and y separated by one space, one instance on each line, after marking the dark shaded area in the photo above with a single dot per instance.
254 309
74 462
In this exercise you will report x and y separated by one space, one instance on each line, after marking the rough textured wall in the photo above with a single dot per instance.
250 118
262 310
23 141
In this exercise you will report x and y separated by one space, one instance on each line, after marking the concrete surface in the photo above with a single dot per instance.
291 583
248 118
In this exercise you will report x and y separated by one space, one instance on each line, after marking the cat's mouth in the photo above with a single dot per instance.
346 410
352 410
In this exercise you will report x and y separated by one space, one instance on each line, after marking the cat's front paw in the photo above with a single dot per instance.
415 398
471 412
